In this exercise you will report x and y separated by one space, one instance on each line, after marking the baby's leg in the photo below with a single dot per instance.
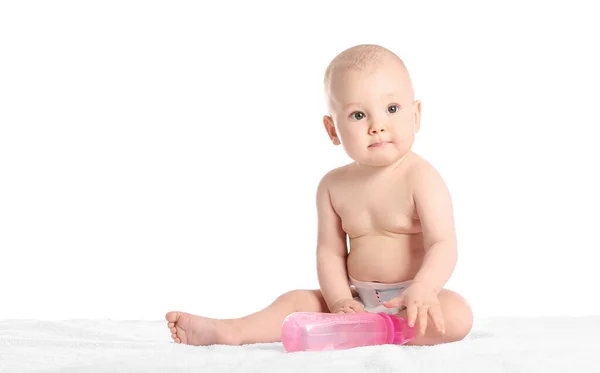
260 327
458 320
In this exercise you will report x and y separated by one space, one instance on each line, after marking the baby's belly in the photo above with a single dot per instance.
385 259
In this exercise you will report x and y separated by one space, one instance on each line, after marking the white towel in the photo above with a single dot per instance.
511 345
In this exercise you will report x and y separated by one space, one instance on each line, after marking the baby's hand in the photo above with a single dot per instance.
420 300
347 306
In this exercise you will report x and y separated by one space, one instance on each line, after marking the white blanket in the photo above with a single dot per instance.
494 345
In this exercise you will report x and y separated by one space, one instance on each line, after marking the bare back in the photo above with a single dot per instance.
378 214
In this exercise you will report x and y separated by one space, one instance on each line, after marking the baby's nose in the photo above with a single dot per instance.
376 129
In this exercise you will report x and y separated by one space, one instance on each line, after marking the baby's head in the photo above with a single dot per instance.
372 110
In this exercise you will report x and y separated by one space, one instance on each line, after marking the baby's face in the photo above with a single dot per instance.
374 115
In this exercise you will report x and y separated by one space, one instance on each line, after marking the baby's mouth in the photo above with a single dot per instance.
380 144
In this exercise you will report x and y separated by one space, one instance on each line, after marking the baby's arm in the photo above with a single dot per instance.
331 249
434 207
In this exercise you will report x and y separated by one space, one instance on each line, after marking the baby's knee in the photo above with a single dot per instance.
460 315
465 323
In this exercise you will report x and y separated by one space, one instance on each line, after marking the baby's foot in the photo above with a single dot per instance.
201 331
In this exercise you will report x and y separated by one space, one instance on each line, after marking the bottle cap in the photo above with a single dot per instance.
399 332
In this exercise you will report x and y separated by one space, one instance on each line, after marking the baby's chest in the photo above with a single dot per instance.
362 212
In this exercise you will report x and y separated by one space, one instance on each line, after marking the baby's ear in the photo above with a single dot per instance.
417 115
330 128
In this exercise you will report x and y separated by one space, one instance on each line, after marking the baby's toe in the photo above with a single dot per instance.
172 316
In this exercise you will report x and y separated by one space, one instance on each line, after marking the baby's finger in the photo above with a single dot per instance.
411 313
423 319
357 308
435 312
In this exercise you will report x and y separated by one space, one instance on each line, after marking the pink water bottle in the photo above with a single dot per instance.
312 331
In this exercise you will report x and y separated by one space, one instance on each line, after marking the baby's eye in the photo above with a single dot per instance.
393 108
357 115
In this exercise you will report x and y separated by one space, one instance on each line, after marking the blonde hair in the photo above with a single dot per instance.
359 57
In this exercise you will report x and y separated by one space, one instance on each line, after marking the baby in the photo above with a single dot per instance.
390 204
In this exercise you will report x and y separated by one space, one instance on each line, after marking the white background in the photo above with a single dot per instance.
160 156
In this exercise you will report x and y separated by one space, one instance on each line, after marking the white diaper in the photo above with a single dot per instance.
373 294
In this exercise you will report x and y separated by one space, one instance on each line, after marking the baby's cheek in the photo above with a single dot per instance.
351 140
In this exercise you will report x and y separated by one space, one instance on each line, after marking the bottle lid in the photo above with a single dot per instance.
399 332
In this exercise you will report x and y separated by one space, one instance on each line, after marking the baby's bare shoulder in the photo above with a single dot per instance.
329 184
335 175
418 164
421 174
